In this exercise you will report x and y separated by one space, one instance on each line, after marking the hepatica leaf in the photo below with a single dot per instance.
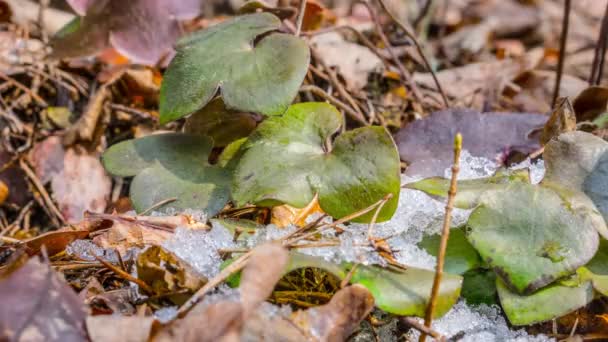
289 159
579 161
168 166
550 302
531 236
469 190
460 254
262 78
400 292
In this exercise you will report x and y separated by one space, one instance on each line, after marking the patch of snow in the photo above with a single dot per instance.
166 314
199 247
480 323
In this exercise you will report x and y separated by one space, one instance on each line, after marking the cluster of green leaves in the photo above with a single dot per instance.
289 158
530 244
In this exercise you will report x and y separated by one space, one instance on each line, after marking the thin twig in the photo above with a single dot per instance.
320 92
234 267
45 195
24 89
156 205
126 276
562 52
301 12
444 236
405 75
600 52
423 329
427 64
423 13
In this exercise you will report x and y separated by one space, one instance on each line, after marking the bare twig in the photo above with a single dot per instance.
405 75
301 12
159 204
597 67
445 234
124 275
562 52
370 228
423 329
423 13
25 89
320 92
427 64
45 195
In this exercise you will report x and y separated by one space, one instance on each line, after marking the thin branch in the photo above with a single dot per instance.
444 236
124 275
420 327
301 12
45 195
423 13
600 52
562 52
427 64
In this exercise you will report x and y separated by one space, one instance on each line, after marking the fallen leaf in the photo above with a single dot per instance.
168 275
54 242
338 319
426 145
3 192
14 179
354 62
264 269
284 215
37 305
590 103
562 120
70 172
125 234
144 31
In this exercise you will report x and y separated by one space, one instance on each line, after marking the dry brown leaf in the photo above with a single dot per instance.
339 318
354 62
54 242
104 328
168 275
284 215
264 269
78 180
562 120
464 82
590 103
38 305
3 192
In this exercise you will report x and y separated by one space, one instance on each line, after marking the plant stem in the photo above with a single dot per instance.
427 64
597 67
301 12
445 234
562 52
322 93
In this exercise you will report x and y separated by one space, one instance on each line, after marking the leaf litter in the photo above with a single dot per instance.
495 58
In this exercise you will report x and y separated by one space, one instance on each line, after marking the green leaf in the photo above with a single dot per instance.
470 190
479 287
597 269
400 292
289 159
220 123
579 161
550 302
170 166
530 235
263 78
460 254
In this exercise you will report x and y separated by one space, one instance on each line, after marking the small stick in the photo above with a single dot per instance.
444 236
301 12
45 195
124 275
24 89
159 204
427 64
562 52
370 228
423 13
600 51
423 329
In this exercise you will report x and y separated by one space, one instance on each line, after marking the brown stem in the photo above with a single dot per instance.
423 329
301 12
597 67
427 64
445 234
562 52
